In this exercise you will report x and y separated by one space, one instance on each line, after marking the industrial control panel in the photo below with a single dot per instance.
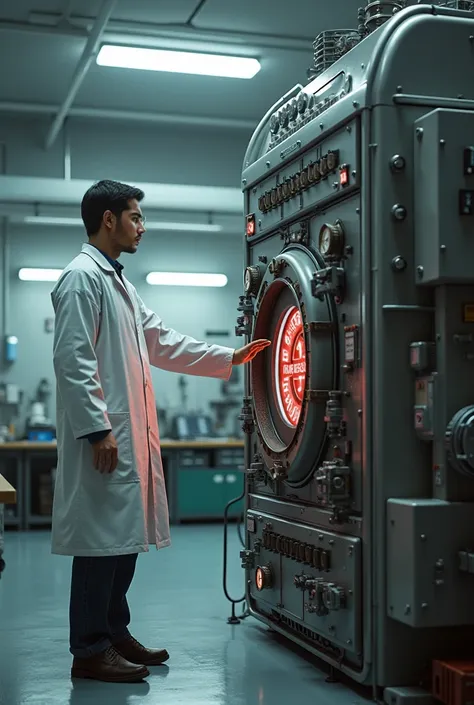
358 192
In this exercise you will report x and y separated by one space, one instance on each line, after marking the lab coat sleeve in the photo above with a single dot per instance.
75 362
180 353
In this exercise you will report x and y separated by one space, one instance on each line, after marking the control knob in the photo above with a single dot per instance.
293 109
263 577
334 597
275 123
302 102
284 116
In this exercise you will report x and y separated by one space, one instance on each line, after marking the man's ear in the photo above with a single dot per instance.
109 219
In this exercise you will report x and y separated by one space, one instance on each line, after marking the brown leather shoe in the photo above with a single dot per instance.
108 666
133 651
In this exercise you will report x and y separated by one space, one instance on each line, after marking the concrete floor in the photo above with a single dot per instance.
176 602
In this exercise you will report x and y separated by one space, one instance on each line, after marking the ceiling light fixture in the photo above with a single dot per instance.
127 57
51 220
149 225
185 279
190 227
28 274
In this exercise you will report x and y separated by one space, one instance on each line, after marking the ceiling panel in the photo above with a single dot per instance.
41 66
156 11
300 18
19 10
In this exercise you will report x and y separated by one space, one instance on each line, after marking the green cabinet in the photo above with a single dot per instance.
204 492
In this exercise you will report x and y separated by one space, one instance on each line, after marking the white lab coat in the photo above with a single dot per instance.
105 339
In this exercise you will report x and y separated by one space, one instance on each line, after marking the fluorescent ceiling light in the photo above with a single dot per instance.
185 279
39 275
51 220
149 225
190 227
178 61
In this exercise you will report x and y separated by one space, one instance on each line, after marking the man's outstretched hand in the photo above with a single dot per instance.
248 352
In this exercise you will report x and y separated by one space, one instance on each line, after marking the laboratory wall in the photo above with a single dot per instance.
133 153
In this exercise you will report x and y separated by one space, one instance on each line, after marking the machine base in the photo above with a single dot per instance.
407 696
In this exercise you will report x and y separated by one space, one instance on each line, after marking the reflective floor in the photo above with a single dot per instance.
177 602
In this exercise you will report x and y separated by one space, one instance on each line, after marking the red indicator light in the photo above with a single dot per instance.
344 175
250 226
290 366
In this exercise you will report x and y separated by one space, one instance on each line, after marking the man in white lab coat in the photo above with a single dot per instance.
110 500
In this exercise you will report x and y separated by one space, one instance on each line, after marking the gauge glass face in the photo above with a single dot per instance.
247 280
259 579
325 241
290 366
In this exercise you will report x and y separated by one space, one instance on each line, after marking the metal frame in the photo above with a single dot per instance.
19 521
88 55
128 116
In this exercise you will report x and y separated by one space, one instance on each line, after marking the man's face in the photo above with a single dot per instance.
129 228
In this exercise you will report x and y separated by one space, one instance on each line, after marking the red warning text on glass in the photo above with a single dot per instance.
290 366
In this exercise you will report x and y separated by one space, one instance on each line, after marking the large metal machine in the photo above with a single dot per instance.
359 419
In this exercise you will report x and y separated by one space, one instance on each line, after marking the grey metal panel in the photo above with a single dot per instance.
409 55
317 195
342 626
425 587
307 515
444 246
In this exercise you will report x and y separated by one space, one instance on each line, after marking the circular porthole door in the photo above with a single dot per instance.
291 379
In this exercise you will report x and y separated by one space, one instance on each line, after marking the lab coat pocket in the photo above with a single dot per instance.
125 470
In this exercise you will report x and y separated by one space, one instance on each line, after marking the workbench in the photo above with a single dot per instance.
201 478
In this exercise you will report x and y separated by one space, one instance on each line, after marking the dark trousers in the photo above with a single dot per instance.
98 612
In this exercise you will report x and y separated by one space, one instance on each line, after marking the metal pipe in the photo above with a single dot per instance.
5 263
67 151
6 281
128 116
88 55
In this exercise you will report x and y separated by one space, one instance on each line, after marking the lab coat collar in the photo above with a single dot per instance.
97 257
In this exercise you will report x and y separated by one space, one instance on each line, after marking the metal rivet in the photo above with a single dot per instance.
399 212
397 162
399 264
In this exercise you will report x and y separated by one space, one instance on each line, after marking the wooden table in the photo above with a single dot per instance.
166 443
24 451
7 492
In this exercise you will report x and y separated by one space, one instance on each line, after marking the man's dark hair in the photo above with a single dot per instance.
106 196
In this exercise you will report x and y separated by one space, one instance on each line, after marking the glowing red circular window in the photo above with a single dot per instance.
290 366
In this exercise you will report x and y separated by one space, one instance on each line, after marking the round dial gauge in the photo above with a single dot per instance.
331 239
290 366
263 577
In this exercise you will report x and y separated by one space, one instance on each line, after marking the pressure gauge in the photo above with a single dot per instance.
331 239
252 279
